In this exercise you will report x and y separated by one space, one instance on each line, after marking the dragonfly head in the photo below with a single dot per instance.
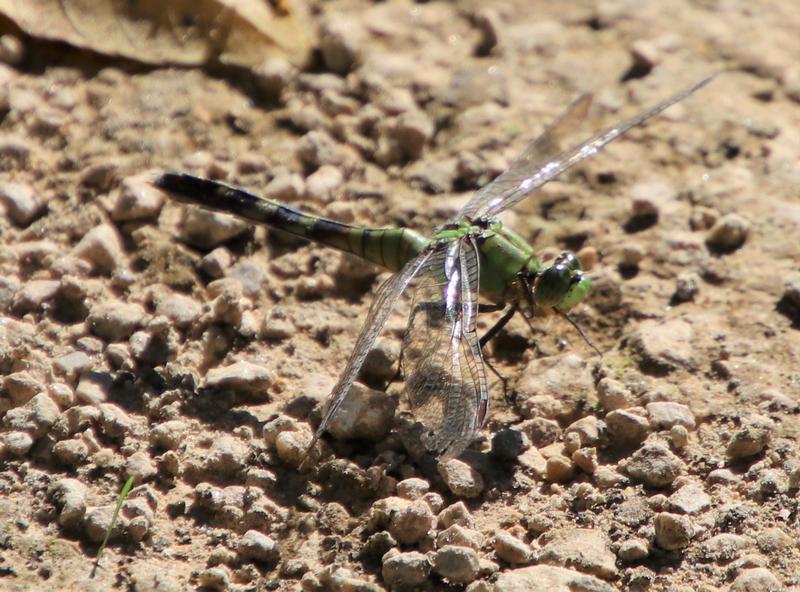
561 285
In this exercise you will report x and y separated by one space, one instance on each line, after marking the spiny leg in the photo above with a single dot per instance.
580 332
498 326
488 336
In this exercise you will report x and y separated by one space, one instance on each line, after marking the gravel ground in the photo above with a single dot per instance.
192 352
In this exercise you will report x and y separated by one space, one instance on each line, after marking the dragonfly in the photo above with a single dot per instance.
470 263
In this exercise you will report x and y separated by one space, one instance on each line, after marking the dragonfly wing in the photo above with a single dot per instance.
537 153
382 305
541 162
445 376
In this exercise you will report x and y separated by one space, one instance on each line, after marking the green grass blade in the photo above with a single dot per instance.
126 489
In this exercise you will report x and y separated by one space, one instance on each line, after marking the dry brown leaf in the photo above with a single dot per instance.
187 32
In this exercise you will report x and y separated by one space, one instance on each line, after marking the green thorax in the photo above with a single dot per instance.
503 255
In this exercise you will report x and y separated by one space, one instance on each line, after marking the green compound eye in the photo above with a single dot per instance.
562 285
580 288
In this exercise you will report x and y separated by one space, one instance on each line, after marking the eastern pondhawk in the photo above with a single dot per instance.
471 255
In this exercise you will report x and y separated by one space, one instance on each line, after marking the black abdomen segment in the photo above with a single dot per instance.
388 247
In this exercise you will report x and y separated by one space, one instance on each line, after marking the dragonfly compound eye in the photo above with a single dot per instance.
568 259
552 285
561 286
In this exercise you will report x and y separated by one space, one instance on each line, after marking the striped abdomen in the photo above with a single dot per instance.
388 247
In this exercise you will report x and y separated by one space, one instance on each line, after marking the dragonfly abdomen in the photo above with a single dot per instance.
388 247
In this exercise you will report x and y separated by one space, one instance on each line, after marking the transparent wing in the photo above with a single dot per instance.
543 159
379 310
445 378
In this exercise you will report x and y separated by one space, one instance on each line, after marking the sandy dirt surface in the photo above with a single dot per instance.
138 338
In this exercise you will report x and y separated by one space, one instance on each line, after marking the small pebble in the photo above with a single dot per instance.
541 431
21 387
488 23
586 460
272 76
364 413
382 359
686 287
458 535
555 386
323 185
665 344
140 467
35 417
168 435
22 202
93 387
605 478
729 232
633 550
723 476
411 132
62 394
646 56
216 263
672 531
586 549
666 414
751 439
690 499
457 565
102 248
340 45
214 578
258 547
97 521
182 310
613 395
457 513
757 579
626 427
403 571
12 50
206 230
72 365
654 465
679 436
512 550
137 199
114 320
589 429
227 455
724 547
17 443
461 479
71 453
412 523
413 488
69 496
559 469
241 377
551 578
34 295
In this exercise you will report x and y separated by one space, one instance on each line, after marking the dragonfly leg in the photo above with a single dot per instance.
498 326
503 380
577 327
